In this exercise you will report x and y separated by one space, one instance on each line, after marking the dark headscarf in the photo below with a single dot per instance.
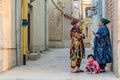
105 21
74 21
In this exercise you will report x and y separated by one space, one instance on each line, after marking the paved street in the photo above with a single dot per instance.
53 65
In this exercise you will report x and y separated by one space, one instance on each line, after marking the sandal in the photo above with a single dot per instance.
77 71
102 71
80 71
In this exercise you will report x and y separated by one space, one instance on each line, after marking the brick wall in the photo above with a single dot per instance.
117 32
55 25
57 22
59 25
112 13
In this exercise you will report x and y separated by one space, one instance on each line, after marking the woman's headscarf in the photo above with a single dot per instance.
74 21
105 21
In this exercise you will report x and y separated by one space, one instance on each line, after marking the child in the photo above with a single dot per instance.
92 65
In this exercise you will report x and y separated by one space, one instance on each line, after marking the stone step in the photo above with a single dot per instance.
34 56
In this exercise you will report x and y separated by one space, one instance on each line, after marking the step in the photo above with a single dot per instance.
34 56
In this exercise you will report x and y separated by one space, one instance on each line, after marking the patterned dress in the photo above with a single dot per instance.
102 46
77 47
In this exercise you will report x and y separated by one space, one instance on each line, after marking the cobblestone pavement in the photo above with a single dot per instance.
53 65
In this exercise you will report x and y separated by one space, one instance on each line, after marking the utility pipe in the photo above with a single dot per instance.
24 31
17 34
46 26
63 22
67 15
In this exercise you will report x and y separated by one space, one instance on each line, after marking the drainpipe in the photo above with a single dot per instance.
46 31
63 22
24 31
18 52
61 10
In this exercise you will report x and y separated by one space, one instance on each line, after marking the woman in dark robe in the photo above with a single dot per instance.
102 45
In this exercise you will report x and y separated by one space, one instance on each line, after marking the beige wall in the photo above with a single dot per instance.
71 10
38 27
7 42
112 13
67 28
116 37
8 30
59 25
55 25
88 33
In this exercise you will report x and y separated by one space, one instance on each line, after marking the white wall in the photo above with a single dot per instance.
76 9
103 9
94 27
38 27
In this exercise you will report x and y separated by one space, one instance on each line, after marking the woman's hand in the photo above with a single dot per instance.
82 35
94 33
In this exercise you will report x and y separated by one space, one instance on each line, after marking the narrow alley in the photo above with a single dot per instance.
43 28
53 65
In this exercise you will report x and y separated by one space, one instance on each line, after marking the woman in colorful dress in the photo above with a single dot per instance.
77 47
102 45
